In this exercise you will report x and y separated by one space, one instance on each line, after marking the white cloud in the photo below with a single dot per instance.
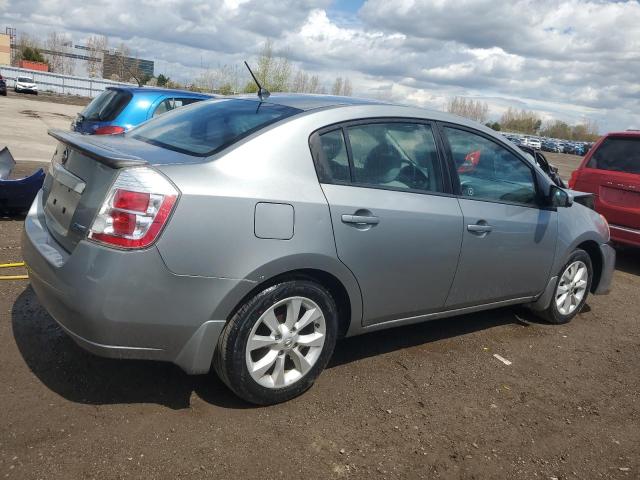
567 58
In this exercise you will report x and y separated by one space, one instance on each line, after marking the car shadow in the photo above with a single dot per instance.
628 260
381 342
84 378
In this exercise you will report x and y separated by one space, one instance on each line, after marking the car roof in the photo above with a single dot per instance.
308 101
157 90
626 133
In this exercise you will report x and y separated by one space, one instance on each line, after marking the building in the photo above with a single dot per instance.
115 65
5 49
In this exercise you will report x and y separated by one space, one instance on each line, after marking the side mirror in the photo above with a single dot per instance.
559 197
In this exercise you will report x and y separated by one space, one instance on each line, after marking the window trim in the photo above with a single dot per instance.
539 204
314 145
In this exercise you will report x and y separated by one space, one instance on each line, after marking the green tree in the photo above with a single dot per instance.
32 54
162 80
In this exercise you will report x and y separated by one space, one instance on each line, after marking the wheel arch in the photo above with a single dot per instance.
330 273
593 250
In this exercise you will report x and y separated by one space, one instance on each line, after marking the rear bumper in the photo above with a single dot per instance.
122 304
608 267
625 235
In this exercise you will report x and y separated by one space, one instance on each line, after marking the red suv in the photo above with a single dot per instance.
611 171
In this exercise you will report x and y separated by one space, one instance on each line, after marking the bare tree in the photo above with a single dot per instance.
303 82
342 86
523 121
223 80
336 89
129 66
60 46
96 44
468 108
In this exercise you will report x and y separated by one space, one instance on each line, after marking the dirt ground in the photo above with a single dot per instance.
426 401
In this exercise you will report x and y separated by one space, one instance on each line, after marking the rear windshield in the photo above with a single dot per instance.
209 127
618 154
25 79
107 106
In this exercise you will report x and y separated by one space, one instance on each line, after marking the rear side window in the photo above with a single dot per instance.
169 104
209 127
393 155
107 106
617 154
396 154
333 162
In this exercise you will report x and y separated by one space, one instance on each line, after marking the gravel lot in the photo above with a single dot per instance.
426 401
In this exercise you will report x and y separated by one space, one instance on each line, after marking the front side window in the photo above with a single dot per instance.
209 127
396 154
489 171
617 154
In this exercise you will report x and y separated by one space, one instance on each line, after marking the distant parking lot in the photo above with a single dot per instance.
25 119
424 401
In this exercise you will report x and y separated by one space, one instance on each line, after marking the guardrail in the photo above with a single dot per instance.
57 83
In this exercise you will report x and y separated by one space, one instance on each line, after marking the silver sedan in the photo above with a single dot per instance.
250 234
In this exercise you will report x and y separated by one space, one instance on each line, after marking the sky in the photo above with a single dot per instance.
570 60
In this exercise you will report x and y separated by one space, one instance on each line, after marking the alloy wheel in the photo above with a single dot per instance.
285 342
572 287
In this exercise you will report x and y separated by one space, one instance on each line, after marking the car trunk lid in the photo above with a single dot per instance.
81 173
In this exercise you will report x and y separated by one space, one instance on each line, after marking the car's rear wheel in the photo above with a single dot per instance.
278 342
572 288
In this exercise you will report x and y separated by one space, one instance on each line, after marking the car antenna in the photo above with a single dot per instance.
262 92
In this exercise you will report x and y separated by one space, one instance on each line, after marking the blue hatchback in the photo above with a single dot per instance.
119 109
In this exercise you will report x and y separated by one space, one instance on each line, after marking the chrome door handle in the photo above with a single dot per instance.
479 228
360 219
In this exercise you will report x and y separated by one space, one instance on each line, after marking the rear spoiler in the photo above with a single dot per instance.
99 152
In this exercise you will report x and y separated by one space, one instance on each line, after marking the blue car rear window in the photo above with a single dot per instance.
107 106
208 127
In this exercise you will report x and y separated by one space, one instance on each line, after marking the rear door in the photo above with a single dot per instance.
395 223
508 242
613 175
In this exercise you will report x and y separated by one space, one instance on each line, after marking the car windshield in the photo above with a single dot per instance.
618 154
25 80
209 127
107 106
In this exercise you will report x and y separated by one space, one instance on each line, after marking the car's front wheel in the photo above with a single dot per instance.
572 288
278 342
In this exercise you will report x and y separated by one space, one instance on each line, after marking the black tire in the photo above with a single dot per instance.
230 361
552 314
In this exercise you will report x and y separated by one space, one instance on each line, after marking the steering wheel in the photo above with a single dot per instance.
412 176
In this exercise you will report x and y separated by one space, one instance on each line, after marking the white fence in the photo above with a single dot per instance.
54 82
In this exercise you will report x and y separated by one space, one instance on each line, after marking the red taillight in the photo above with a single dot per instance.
574 178
127 200
108 130
136 209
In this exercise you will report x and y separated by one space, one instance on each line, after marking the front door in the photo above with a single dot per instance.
508 242
395 226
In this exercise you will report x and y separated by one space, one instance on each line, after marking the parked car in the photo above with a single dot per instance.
119 109
611 171
254 233
25 85
533 143
3 86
